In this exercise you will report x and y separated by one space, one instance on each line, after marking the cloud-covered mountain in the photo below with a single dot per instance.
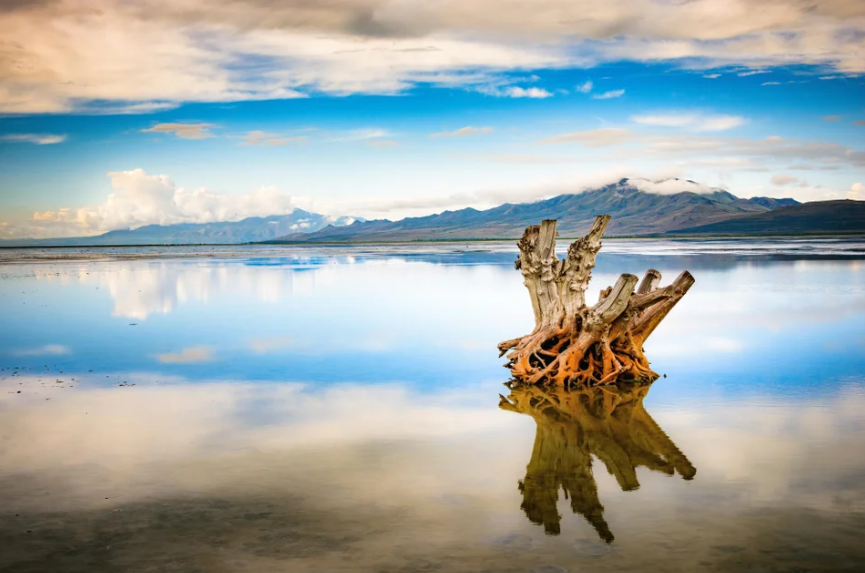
635 211
249 230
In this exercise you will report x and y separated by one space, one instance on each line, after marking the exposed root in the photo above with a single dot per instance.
575 345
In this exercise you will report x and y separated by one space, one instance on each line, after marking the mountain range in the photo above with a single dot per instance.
249 230
635 210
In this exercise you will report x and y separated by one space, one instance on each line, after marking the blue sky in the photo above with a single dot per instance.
115 117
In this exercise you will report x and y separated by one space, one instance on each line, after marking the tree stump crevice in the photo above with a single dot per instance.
573 344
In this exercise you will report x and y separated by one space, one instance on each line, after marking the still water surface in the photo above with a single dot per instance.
336 409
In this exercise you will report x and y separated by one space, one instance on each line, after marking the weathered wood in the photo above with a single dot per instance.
573 344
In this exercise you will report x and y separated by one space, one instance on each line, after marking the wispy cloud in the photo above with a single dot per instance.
37 138
602 137
609 94
258 137
782 179
752 73
47 350
183 130
383 143
585 87
831 117
267 345
712 76
363 134
190 355
518 92
694 121
462 132
859 122
771 84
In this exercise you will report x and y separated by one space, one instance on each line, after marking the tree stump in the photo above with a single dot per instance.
574 344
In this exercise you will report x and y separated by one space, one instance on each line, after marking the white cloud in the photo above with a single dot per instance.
585 87
609 95
37 138
669 186
140 199
518 92
267 345
258 137
463 131
183 130
752 73
712 76
363 134
47 350
602 137
382 143
63 56
697 122
190 355
856 192
782 179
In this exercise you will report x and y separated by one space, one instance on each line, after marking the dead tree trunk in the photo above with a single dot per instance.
574 344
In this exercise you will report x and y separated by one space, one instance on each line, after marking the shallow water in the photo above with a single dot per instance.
338 409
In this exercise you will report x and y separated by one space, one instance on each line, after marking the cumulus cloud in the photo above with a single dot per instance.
59 56
140 199
782 179
462 132
857 192
183 130
602 137
585 87
38 139
191 355
609 94
694 121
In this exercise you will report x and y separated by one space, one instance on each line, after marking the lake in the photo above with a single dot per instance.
327 409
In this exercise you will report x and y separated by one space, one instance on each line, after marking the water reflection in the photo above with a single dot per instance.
609 423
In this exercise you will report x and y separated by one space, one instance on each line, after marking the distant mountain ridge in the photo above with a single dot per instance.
634 205
249 230
634 212
821 217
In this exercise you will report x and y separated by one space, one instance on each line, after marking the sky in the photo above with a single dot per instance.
117 114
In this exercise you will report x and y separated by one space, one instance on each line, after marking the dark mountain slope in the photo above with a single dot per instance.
819 217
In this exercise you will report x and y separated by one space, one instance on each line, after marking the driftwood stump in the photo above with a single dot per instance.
609 423
578 345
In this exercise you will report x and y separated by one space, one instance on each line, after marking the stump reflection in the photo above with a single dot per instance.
572 425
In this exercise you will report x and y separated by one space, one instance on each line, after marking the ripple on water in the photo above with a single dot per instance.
592 548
